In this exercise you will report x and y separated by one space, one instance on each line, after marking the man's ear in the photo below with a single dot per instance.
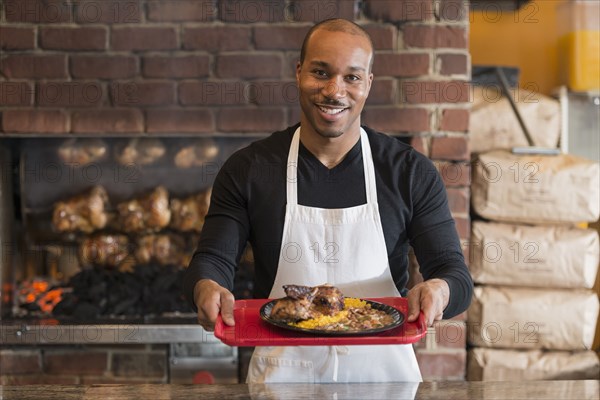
298 69
370 80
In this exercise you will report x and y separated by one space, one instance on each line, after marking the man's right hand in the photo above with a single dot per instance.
212 299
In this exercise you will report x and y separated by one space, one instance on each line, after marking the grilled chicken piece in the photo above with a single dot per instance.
329 300
147 213
291 310
305 302
300 292
296 305
83 213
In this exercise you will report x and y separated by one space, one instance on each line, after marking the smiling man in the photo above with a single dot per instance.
333 90
331 201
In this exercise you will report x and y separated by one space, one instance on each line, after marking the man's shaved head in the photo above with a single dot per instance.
336 25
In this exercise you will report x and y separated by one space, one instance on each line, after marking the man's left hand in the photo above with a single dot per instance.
431 297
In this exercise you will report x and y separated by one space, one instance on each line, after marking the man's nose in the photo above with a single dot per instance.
335 88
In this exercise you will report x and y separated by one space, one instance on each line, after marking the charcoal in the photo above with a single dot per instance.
66 306
96 292
86 311
31 307
125 307
165 283
148 290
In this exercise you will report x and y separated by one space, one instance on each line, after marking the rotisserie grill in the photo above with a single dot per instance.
109 225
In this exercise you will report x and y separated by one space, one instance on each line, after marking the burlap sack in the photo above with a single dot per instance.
528 365
503 317
494 125
539 256
535 189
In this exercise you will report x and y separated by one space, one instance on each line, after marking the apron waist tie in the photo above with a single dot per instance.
333 355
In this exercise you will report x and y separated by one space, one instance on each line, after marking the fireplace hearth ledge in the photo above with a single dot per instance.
19 333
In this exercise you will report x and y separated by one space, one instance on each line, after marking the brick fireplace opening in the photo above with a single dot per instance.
224 70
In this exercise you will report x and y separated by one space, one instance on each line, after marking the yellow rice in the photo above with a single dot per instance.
313 323
353 302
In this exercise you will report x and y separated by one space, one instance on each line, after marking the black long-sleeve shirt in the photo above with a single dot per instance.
249 198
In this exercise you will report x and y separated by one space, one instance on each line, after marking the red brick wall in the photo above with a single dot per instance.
137 67
205 67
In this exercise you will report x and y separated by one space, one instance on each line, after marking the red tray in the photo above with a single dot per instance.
251 330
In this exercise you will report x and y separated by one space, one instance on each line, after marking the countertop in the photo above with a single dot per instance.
533 390
115 331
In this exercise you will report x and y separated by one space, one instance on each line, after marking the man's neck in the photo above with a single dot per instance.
329 151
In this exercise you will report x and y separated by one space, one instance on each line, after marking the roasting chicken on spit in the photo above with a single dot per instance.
140 151
150 212
195 155
82 151
82 213
104 250
188 214
164 249
306 302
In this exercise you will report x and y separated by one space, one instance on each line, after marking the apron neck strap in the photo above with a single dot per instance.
292 169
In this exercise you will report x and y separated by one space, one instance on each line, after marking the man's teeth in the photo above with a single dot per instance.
331 111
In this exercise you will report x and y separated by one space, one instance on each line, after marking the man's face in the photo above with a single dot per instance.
334 82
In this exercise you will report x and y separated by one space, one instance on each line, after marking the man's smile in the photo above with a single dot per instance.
330 112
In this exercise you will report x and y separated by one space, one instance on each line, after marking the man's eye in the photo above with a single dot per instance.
320 73
353 78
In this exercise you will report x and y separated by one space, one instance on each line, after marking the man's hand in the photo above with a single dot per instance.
431 297
212 299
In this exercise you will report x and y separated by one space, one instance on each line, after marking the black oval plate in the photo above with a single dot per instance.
398 319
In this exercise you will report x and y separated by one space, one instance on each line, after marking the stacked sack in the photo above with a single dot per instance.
533 314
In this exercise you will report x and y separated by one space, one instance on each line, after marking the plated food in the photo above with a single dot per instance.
325 310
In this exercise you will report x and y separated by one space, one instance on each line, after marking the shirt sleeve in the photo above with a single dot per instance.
434 238
225 231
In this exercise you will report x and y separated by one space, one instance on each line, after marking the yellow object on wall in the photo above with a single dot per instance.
579 60
579 44
526 38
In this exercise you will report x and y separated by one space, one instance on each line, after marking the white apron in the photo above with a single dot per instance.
346 248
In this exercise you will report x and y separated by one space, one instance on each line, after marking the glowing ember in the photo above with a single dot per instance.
39 294
48 300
